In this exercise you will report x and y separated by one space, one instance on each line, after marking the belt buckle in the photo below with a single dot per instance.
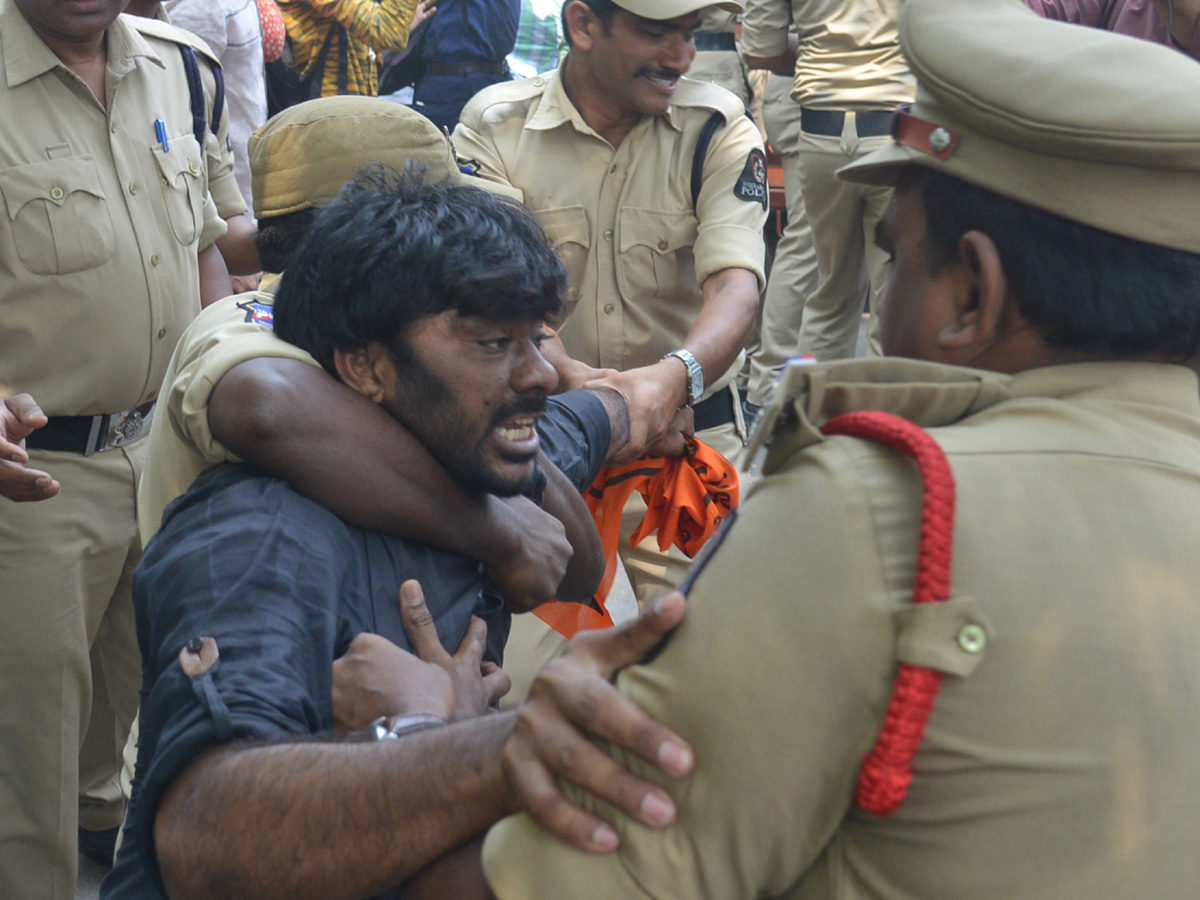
126 427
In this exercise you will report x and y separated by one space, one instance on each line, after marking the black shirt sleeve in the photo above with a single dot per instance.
575 433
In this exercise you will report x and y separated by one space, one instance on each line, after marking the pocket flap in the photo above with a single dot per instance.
53 181
182 159
566 225
951 636
662 232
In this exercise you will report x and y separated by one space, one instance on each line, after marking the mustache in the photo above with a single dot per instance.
656 72
525 405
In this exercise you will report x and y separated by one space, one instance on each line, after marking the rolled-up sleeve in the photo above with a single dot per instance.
730 233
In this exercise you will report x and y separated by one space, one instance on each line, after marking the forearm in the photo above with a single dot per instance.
725 322
314 820
618 419
586 568
346 453
214 277
237 246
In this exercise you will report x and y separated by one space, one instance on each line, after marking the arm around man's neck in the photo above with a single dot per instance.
336 447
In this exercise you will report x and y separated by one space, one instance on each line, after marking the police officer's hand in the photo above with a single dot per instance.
671 443
654 395
377 678
572 373
530 568
19 417
574 695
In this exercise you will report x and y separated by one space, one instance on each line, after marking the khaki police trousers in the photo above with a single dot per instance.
66 574
843 218
793 277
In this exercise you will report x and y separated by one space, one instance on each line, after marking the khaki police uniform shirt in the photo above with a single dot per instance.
101 226
622 220
849 53
181 444
218 144
1060 760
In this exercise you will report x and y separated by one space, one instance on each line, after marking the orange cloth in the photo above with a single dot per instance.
687 497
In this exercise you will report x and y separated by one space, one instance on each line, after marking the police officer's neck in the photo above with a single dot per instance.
596 105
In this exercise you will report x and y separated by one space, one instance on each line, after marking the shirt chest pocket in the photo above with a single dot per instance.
656 253
59 215
182 174
570 234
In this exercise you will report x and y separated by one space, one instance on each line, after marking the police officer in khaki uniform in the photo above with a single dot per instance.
107 206
665 262
849 76
101 804
794 276
1045 234
717 58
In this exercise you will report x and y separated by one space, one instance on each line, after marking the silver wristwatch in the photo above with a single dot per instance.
695 382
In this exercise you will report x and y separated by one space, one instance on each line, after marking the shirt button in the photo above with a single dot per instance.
113 128
162 333
663 245
192 168
154 260
608 235
133 189
539 82
608 309
56 193
972 638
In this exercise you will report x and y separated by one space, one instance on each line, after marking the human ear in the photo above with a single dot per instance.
577 20
980 295
364 369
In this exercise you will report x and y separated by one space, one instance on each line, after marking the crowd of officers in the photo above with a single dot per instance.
125 218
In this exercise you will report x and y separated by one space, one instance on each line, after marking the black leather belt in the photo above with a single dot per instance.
717 410
88 434
715 40
466 68
829 122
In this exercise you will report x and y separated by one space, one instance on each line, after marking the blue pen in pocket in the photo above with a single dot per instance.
160 132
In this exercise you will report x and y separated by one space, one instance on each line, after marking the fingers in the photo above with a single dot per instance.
613 649
25 408
594 705
471 647
565 753
419 625
24 485
496 682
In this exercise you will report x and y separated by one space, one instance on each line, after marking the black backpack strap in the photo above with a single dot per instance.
715 121
195 92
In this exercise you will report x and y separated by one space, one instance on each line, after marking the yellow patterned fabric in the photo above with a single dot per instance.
362 25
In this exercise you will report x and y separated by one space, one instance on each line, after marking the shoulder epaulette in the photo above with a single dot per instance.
517 91
168 32
706 96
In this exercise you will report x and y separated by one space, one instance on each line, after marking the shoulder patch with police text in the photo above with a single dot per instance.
259 314
751 185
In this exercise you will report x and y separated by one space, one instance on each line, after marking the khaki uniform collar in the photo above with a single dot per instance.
556 109
933 395
269 284
27 57
1153 384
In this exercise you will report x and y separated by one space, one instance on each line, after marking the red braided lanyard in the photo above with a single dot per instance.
887 770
